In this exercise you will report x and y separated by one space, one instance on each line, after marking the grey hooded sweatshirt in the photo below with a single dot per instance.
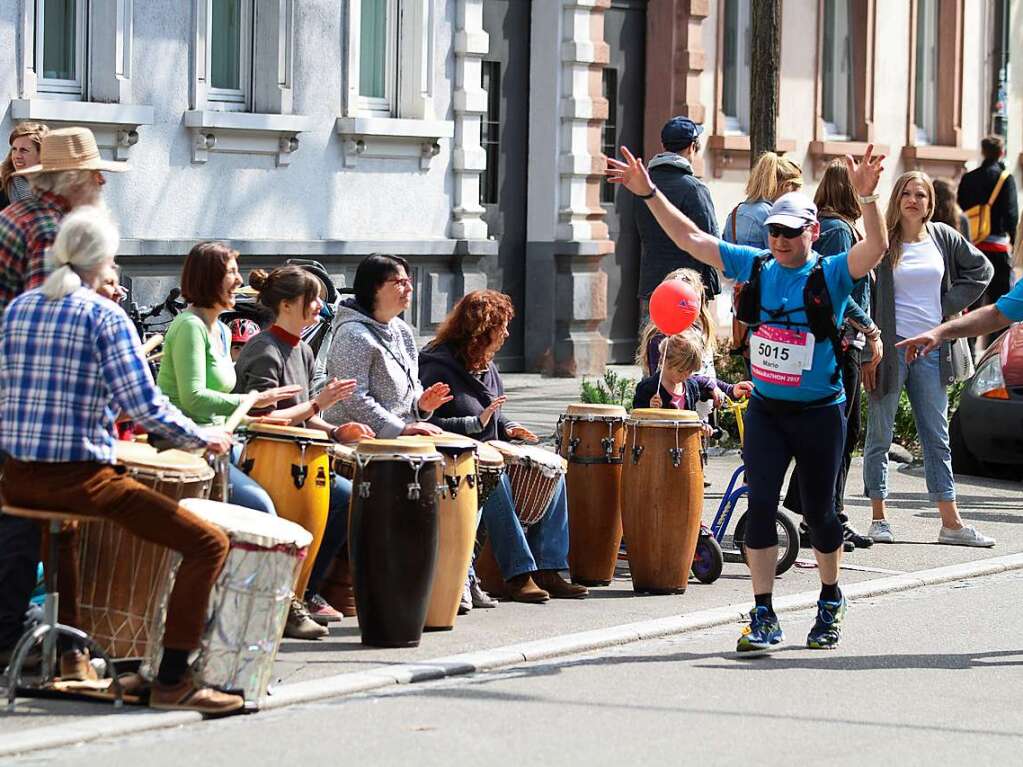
383 359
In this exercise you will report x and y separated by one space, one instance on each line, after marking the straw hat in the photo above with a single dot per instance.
71 149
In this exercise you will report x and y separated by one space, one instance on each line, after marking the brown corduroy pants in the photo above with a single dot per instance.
100 490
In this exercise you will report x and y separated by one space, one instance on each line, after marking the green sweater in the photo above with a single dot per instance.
195 376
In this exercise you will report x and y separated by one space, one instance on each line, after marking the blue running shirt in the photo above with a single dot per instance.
1011 304
779 343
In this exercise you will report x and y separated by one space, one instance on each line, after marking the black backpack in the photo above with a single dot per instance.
820 312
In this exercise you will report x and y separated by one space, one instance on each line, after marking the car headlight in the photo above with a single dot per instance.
989 382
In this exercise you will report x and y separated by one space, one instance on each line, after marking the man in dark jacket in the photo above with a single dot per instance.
672 173
975 188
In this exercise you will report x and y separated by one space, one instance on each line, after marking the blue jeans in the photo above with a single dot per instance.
336 533
929 400
543 546
245 491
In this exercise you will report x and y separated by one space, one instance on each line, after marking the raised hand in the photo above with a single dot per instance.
631 174
865 174
275 395
490 409
335 391
435 396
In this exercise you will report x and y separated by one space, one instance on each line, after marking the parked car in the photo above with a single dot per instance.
986 431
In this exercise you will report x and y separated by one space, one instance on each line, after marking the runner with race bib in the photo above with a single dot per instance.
793 301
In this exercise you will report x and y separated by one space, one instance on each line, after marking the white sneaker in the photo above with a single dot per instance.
880 531
967 535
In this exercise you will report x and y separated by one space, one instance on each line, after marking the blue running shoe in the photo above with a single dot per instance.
827 630
762 634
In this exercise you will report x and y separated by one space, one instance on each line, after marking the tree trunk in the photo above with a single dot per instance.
765 63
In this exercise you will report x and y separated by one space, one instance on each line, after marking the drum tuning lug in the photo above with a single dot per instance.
413 491
298 475
637 451
453 483
609 446
676 456
470 480
364 489
572 445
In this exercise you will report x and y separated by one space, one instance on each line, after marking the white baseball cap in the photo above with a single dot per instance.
794 209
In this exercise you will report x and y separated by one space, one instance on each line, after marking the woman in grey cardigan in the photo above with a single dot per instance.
373 345
930 273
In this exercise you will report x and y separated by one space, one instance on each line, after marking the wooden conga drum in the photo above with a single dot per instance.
293 466
119 574
592 439
456 521
661 497
392 538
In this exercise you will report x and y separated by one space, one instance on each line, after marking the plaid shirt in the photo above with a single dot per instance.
27 229
70 366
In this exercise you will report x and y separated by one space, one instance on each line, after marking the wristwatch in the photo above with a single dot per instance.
868 198
653 191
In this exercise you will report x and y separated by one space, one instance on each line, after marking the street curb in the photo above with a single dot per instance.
115 725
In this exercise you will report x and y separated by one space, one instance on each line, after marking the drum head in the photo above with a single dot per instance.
288 433
145 456
488 457
248 526
600 411
446 442
345 453
665 417
397 447
525 453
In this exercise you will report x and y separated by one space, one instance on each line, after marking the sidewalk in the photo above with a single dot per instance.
992 505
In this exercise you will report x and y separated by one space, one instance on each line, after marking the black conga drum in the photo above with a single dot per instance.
392 537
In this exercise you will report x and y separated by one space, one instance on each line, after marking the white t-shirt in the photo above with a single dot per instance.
918 288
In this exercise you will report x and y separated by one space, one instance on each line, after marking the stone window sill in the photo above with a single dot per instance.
732 152
823 152
392 138
938 160
244 133
115 126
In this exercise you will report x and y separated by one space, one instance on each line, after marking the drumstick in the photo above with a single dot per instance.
151 344
241 411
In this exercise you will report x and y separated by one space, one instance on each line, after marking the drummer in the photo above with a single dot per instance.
72 361
279 357
462 354
196 371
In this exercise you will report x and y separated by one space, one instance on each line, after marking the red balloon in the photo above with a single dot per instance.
674 306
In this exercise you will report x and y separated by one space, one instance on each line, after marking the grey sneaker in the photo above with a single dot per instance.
480 598
465 603
880 531
300 624
967 535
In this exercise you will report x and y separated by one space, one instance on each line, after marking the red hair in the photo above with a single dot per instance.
473 326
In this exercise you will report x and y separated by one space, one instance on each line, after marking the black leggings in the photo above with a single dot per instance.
775 434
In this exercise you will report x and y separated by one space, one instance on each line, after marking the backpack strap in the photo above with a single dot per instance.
998 187
820 315
735 218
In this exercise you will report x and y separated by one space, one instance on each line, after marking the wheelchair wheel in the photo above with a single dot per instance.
709 559
788 540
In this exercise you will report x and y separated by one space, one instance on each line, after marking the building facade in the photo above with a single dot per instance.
469 136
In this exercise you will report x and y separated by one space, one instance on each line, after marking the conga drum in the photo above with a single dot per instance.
490 466
662 497
249 603
342 460
392 538
456 526
118 573
592 439
293 466
534 474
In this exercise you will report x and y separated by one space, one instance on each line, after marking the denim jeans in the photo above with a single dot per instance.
336 533
929 400
245 491
543 546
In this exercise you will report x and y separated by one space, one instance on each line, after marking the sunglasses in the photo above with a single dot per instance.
788 232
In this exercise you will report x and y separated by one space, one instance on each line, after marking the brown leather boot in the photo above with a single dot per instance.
521 588
188 695
558 587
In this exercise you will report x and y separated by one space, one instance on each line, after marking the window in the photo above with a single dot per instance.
490 132
229 53
837 85
736 64
377 41
925 107
609 136
60 47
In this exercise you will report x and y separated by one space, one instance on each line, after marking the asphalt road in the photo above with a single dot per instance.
931 676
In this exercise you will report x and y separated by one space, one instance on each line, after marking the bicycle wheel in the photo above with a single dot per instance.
788 540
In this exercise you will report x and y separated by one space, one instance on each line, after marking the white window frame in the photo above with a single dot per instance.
836 16
927 97
70 90
375 106
230 99
738 123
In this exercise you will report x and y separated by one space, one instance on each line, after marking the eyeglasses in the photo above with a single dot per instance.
401 282
788 232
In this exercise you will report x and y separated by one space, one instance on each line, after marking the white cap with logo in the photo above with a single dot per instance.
794 210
